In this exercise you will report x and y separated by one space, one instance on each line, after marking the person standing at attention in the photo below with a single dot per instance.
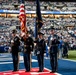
15 43
41 47
28 48
53 44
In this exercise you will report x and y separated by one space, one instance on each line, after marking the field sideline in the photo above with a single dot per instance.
65 66
72 54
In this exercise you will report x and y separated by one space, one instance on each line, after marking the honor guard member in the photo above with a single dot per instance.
40 51
15 43
28 47
53 44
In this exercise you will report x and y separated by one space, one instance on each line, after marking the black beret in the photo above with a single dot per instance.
14 31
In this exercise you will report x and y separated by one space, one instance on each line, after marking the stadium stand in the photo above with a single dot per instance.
60 22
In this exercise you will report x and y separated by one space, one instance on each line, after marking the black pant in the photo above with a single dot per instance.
40 58
15 57
27 61
54 61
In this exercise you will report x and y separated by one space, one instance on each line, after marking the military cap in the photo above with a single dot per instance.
40 33
52 28
14 31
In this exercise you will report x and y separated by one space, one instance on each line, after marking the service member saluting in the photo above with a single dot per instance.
53 42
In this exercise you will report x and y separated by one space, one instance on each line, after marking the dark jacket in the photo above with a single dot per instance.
16 44
41 46
53 43
28 44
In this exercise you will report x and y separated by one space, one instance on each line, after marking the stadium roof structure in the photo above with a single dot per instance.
55 0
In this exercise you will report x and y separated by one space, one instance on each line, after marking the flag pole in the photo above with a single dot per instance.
39 21
22 17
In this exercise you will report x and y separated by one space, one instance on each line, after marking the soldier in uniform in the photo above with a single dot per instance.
41 46
15 43
28 47
53 44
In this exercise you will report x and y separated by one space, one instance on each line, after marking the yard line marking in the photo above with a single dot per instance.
69 60
33 60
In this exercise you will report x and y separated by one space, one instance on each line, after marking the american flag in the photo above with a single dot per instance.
22 17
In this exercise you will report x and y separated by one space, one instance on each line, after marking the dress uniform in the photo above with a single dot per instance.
28 47
41 46
15 43
53 44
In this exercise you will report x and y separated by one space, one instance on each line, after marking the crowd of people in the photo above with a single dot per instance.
58 40
30 5
70 35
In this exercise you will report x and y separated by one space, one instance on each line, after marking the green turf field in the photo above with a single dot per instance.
72 54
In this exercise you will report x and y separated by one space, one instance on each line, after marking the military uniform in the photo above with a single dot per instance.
15 43
53 43
28 47
40 53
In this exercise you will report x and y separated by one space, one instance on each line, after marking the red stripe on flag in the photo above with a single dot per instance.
22 17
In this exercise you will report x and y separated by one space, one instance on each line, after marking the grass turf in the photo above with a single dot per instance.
72 54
